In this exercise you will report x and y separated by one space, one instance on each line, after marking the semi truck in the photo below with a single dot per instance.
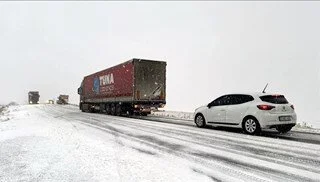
137 86
33 97
63 99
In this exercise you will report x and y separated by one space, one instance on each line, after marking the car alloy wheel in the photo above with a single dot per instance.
250 125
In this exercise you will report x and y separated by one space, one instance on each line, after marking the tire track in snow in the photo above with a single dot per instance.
174 147
245 146
203 155
220 148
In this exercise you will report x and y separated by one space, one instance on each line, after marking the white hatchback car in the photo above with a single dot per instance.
251 112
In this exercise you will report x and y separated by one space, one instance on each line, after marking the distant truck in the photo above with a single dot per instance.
63 99
33 97
135 86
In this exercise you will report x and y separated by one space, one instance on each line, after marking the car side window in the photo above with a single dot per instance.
235 99
248 98
240 99
223 100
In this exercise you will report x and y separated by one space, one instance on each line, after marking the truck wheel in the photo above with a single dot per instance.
118 110
108 109
113 109
91 109
81 107
102 108
84 107
130 112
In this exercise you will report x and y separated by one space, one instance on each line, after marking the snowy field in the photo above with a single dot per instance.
60 143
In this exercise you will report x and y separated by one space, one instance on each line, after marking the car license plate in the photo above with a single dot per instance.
284 118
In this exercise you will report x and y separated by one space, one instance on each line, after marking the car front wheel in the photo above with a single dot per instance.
200 121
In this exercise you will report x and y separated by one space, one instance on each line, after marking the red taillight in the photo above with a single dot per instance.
292 107
265 107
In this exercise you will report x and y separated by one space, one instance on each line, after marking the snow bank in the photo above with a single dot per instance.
305 127
11 112
174 114
308 125
3 110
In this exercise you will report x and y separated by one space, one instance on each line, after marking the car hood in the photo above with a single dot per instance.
201 108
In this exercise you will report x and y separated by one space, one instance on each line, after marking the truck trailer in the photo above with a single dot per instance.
63 99
33 97
136 86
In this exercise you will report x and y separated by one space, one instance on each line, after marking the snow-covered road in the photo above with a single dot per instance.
60 143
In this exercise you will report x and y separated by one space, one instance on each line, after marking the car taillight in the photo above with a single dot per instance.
265 107
292 107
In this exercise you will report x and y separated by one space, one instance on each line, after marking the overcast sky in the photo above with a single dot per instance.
211 48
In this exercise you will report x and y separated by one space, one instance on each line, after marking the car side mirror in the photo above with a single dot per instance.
209 105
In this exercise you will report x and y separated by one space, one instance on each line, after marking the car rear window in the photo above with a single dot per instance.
275 99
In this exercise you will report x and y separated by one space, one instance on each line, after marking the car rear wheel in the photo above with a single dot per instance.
251 126
283 128
200 121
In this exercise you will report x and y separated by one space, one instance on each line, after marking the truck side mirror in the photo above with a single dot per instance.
79 90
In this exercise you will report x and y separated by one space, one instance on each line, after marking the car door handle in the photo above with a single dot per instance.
222 110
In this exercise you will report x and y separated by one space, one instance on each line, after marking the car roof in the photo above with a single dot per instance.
253 93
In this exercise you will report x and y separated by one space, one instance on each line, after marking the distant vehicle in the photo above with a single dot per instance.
33 97
251 112
63 99
50 101
136 86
